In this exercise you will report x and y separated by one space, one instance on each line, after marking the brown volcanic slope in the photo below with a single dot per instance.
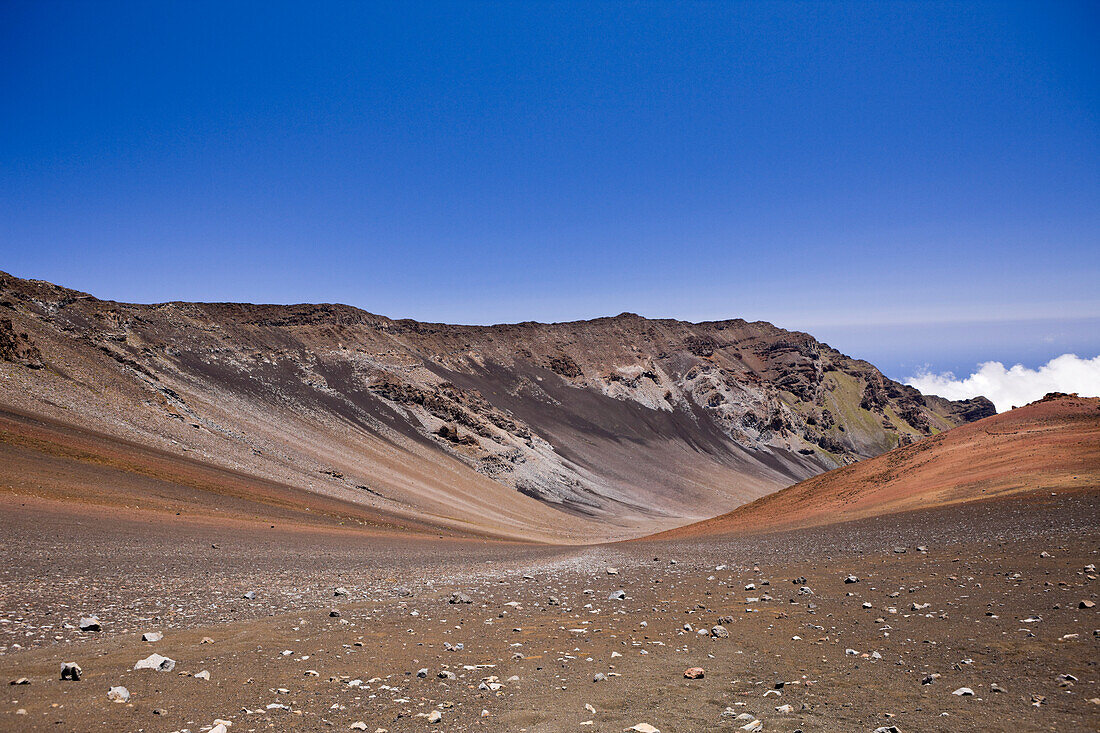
1052 445
573 432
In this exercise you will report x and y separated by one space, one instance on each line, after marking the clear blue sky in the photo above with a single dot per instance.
917 183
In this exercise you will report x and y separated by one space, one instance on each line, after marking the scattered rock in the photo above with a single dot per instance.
157 662
694 673
118 694
152 636
90 623
71 671
963 692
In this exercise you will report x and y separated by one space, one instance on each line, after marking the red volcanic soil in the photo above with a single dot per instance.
1052 445
60 469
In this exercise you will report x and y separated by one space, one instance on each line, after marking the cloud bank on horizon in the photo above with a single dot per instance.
1016 385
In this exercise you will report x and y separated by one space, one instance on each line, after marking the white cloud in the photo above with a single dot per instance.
1017 385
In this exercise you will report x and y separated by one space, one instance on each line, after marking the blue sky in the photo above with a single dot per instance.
916 183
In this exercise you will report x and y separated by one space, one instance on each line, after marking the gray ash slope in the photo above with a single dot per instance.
624 424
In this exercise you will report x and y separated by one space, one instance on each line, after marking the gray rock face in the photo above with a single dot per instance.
157 662
71 671
118 694
457 598
90 623
152 636
250 595
720 632
617 595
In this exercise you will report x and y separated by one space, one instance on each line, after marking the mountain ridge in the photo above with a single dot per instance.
614 426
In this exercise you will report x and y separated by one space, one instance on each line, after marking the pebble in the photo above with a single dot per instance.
152 636
694 673
963 692
71 671
118 694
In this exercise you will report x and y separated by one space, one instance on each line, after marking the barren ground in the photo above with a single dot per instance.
982 575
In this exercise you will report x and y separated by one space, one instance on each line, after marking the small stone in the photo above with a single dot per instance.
334 613
435 716
642 728
250 595
90 623
994 687
341 591
963 692
118 694
720 632
694 673
20 681
599 677
1086 604
152 636
457 598
157 662
206 640
612 571
753 726
203 675
71 671
422 673
358 725
617 595
851 579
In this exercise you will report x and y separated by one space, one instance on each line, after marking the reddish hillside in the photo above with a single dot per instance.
1049 445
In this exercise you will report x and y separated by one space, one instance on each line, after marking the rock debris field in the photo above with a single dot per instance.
980 617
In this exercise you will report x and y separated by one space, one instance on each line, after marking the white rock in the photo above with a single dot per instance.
118 694
156 661
963 691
